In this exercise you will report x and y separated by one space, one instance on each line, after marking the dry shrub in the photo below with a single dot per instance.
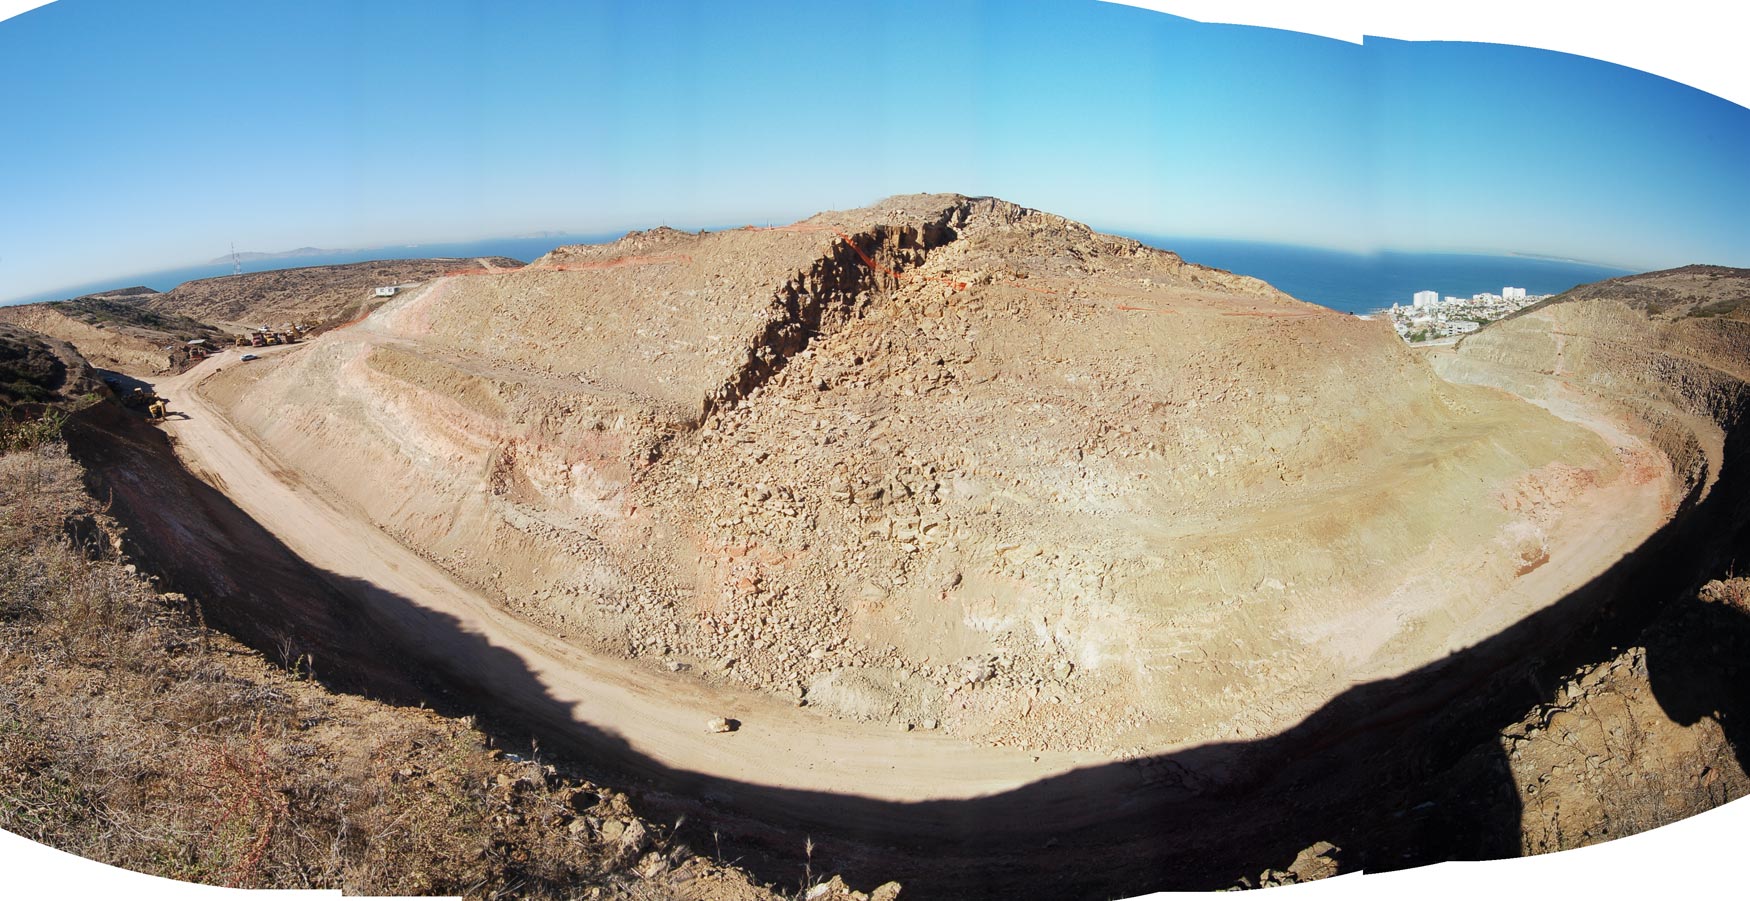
131 736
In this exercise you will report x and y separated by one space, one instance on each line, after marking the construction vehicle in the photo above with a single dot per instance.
243 341
148 400
256 340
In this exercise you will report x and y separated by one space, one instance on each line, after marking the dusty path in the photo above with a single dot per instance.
1188 816
661 717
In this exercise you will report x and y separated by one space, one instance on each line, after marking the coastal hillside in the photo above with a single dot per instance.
955 465
115 331
1667 353
841 535
38 370
315 296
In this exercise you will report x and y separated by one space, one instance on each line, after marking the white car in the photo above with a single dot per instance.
248 357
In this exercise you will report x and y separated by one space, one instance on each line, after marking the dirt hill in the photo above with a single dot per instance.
954 464
114 331
310 295
38 369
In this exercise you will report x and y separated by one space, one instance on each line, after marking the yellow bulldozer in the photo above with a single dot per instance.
156 406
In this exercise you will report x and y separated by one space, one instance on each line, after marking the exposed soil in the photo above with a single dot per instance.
944 464
113 331
1023 558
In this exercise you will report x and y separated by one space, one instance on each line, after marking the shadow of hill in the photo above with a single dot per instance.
1363 772
1697 660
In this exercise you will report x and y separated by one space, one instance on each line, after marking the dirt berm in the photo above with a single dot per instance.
995 485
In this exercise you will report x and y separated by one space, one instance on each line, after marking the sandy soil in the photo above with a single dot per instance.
663 718
1198 512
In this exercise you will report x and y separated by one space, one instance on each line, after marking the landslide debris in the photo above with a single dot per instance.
956 464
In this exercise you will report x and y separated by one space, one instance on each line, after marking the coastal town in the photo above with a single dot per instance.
1430 317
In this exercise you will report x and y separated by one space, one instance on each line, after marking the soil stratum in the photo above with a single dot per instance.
982 533
1005 480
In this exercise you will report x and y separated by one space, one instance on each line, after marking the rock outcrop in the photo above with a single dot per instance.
955 462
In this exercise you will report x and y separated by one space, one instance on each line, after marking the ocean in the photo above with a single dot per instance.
1362 283
523 249
1353 283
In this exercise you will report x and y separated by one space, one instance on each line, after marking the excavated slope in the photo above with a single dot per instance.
113 331
1665 354
956 464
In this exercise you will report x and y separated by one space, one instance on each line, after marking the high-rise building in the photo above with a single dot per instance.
1512 293
1425 299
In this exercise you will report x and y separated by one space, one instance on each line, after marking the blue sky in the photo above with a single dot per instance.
146 136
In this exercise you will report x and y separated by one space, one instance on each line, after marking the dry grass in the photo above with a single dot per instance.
131 736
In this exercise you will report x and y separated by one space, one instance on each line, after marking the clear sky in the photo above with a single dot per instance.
147 136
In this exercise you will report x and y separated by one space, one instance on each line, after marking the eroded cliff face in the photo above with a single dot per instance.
1665 353
959 464
1636 738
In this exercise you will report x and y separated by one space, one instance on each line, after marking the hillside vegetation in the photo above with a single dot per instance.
315 296
131 735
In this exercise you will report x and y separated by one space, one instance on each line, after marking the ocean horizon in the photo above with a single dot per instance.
1349 282
1367 283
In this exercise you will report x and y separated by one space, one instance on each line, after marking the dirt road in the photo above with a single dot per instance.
661 716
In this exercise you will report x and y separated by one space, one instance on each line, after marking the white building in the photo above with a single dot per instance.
1513 293
388 290
1425 299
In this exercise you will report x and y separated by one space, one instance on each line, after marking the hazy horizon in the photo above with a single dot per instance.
1345 280
276 126
257 254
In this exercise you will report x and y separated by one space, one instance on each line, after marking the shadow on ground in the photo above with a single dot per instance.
1371 772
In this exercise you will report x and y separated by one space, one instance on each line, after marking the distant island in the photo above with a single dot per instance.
250 256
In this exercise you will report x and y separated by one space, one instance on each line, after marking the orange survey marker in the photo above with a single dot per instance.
1260 314
898 276
794 227
615 263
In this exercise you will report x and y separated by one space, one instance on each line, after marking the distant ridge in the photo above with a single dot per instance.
252 255
135 291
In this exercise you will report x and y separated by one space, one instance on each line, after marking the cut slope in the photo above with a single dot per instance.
1666 355
949 461
114 331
